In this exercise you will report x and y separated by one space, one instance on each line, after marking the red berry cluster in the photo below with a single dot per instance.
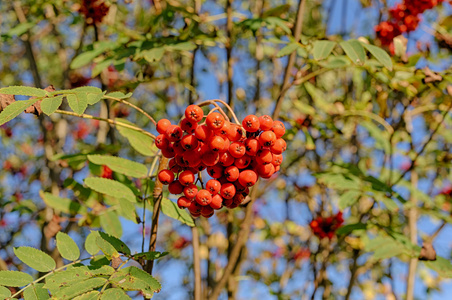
326 227
94 10
106 172
404 17
234 157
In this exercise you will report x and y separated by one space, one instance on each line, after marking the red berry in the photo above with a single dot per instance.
203 197
264 157
238 199
251 123
189 142
242 162
186 178
168 152
162 125
188 126
278 147
194 113
161 141
173 133
203 133
190 191
234 133
216 143
175 187
247 178
210 158
183 202
195 208
213 186
166 176
266 122
178 148
266 171
192 157
226 159
227 191
252 146
224 130
174 167
215 171
207 211
267 138
277 159
278 128
217 202
232 173
237 149
215 121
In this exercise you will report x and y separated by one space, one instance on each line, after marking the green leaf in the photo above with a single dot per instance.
93 295
335 62
388 250
120 165
109 221
153 55
115 293
288 49
94 98
354 51
90 243
349 198
127 210
87 89
441 265
23 90
85 58
120 95
64 278
79 288
134 279
14 278
119 245
4 292
170 209
346 229
50 105
184 46
139 141
15 109
35 259
63 205
106 247
322 49
150 255
78 102
110 187
381 55
36 292
67 247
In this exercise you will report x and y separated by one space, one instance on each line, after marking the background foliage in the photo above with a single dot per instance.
368 134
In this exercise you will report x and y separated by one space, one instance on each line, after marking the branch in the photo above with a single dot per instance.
133 106
158 196
291 61
229 71
196 263
110 121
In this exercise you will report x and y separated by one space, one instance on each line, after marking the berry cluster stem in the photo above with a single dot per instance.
133 106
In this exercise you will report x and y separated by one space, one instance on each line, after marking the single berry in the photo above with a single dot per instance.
266 171
247 178
237 149
235 133
278 147
252 146
183 202
264 156
267 138
232 173
215 171
238 199
266 122
194 113
189 142
192 158
213 186
195 208
203 197
186 178
175 187
242 162
210 158
207 211
277 159
216 143
227 191
168 152
226 159
190 191
278 128
161 141
166 176
162 125
217 202
173 133
203 133
188 126
251 123
215 121
178 148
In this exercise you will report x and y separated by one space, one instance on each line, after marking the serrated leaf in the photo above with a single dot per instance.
106 247
150 255
134 279
79 288
119 245
348 198
50 105
36 292
93 295
110 187
288 49
120 95
15 109
64 278
115 293
354 51
109 221
381 55
67 247
322 49
87 89
23 90
14 278
139 141
127 210
35 259
120 165
78 102
170 209
63 205
90 243
4 292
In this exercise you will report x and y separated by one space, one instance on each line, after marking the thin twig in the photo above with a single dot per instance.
110 121
133 106
228 46
196 263
290 63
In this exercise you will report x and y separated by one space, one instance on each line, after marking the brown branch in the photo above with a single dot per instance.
290 63
412 224
235 253
134 107
228 47
196 263
158 196
353 269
